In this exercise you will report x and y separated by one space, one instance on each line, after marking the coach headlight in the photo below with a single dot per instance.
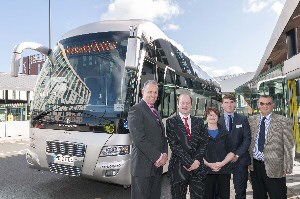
115 150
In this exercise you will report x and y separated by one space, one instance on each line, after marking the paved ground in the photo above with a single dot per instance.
13 147
293 184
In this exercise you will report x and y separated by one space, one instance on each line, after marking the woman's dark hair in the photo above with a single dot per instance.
212 109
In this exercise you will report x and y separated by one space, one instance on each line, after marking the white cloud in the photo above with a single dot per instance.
254 6
212 70
146 9
171 27
277 7
228 71
201 58
215 72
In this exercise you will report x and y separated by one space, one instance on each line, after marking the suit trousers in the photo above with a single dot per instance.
223 185
240 178
263 185
146 187
196 187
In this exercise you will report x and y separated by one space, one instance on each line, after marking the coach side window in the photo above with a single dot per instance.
148 73
169 97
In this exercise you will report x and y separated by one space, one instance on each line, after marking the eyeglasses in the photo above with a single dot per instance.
267 104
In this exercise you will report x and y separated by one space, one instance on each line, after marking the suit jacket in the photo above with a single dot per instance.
278 149
217 150
148 140
184 150
240 136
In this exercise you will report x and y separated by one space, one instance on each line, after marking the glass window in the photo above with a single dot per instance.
169 101
2 94
275 89
84 61
39 68
23 95
170 77
10 94
148 72
16 114
160 75
199 104
89 82
169 96
17 94
2 115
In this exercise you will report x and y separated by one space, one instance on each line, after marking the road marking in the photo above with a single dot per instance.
13 153
22 143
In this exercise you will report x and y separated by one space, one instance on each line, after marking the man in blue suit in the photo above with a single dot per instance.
239 128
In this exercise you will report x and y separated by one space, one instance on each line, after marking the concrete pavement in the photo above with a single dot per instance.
16 146
293 181
293 184
13 147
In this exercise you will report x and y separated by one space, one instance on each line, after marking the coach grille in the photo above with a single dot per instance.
65 169
66 148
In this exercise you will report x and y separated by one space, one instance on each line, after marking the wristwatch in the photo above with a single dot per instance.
237 156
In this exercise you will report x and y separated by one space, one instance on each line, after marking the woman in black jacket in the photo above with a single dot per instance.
217 159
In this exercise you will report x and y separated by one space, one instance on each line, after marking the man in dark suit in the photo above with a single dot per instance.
187 137
271 151
238 126
149 145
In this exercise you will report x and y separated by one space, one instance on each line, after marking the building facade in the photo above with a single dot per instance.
278 73
16 94
33 64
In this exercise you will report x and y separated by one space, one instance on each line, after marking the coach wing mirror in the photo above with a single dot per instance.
132 54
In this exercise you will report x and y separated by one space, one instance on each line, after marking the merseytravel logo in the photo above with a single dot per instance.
110 128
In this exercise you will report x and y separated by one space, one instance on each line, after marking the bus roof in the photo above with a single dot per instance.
115 25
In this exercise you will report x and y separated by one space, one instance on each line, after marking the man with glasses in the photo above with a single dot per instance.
271 151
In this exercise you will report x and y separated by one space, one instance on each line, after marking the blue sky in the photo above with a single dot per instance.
223 36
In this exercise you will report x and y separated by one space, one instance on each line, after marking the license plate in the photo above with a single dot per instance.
63 159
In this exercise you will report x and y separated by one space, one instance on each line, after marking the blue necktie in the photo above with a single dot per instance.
261 138
230 123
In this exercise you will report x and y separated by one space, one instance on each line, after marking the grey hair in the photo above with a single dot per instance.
148 82
266 96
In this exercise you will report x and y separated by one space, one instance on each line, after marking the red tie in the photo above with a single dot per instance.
188 127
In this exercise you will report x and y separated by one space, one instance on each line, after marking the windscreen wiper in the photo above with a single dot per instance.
85 112
51 109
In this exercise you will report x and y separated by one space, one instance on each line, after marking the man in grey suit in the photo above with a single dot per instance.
238 127
271 151
149 147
